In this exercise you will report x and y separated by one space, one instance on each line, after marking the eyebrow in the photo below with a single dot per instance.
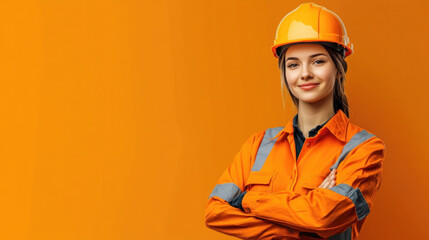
312 56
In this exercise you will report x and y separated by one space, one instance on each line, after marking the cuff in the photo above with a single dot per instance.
236 202
249 202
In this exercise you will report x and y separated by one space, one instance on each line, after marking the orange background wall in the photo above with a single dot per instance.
118 117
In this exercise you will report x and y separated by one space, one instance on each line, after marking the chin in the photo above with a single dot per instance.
312 99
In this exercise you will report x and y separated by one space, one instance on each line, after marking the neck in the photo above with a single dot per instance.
312 114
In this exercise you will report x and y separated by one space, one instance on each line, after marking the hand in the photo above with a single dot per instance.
329 180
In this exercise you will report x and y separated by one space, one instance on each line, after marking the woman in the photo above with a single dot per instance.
317 177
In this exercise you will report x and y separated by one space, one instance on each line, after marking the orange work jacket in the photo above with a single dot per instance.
283 200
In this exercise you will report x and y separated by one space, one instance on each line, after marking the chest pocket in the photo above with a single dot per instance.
260 181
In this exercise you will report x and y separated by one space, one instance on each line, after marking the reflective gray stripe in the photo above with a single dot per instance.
362 208
265 147
357 139
226 191
346 235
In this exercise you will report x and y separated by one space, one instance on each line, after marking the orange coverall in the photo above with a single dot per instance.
283 199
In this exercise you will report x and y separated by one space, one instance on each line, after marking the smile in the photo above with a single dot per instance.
307 87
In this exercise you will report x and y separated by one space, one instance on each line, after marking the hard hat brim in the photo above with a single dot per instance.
275 48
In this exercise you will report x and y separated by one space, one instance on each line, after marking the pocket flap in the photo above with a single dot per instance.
259 178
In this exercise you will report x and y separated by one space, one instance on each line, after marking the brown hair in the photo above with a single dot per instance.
340 98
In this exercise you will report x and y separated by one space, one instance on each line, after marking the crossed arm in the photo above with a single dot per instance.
326 210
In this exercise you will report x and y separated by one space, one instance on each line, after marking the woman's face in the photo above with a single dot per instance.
310 63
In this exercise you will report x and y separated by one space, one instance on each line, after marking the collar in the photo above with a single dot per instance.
337 125
312 131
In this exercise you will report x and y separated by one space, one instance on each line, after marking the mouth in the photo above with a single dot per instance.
308 86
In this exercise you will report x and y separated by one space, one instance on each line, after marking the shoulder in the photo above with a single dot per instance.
366 140
254 140
267 133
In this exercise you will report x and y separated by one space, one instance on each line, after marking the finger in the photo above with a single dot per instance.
332 181
327 181
332 184
329 184
333 175
324 183
330 177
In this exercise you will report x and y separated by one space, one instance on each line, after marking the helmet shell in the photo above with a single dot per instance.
310 22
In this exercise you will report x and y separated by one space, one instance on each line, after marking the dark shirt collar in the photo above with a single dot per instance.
337 125
313 131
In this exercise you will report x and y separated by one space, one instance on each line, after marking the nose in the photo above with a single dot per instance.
306 72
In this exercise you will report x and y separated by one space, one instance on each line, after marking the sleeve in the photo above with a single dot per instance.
224 218
327 212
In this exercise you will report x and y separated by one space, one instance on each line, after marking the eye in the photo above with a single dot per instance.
319 61
292 65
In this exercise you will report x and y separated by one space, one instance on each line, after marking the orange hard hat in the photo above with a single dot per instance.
310 22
